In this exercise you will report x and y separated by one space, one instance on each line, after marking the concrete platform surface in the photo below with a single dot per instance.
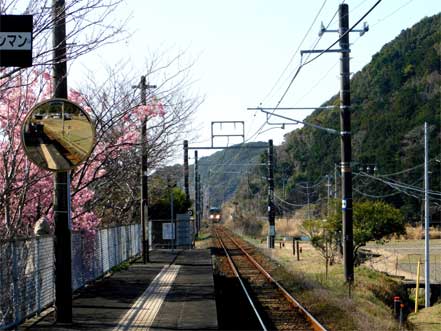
175 291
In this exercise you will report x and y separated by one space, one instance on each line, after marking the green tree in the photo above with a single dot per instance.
161 208
373 220
161 184
320 233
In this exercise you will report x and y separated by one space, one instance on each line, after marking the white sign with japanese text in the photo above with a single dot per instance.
168 232
15 41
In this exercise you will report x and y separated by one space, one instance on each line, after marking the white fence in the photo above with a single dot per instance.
27 272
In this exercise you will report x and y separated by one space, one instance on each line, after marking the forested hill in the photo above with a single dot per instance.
391 98
222 171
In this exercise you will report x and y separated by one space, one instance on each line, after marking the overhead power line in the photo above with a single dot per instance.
380 21
289 203
289 63
405 170
313 59
326 50
392 13
375 196
403 187
344 34
295 53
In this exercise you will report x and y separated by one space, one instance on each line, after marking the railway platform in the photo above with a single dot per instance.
174 291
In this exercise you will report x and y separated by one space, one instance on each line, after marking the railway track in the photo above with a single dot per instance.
273 306
76 151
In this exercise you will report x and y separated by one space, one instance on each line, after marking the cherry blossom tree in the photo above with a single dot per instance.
25 189
118 112
90 24
108 180
107 183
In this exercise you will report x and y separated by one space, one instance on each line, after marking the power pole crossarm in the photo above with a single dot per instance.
269 114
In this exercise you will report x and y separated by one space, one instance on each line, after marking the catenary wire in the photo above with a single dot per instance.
298 69
295 53
313 59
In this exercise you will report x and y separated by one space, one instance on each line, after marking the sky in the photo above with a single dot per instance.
245 52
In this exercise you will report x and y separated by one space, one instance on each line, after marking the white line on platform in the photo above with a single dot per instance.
48 156
144 310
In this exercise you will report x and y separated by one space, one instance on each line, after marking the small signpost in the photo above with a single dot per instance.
16 41
184 231
168 232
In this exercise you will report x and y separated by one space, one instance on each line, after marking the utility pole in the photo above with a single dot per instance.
201 201
196 191
172 218
346 151
283 188
62 217
345 136
329 195
144 171
307 199
426 219
271 211
186 188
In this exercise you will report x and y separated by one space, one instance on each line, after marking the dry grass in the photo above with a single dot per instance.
418 233
307 255
204 239
427 319
369 308
245 224
328 299
290 227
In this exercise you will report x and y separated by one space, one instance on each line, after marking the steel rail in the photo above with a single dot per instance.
317 326
236 273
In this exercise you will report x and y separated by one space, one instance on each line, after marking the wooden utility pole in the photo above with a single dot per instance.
196 192
144 172
186 187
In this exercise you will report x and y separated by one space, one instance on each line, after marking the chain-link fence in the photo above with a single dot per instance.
27 272
410 264
400 263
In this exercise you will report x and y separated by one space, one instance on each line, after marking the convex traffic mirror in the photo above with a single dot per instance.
57 135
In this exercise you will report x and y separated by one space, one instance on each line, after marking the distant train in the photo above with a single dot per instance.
215 214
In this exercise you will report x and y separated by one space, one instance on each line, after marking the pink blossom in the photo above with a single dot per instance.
46 76
19 176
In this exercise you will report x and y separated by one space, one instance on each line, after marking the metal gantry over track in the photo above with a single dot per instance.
197 184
